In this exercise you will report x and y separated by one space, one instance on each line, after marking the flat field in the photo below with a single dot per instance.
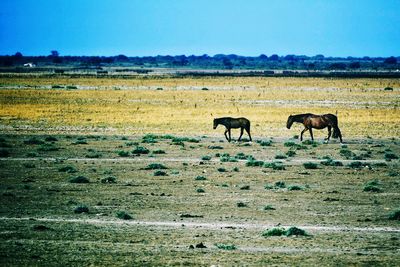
130 172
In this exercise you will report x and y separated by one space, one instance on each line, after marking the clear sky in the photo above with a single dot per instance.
176 27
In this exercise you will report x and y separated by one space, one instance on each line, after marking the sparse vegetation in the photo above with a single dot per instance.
155 166
225 246
124 215
310 165
81 209
79 180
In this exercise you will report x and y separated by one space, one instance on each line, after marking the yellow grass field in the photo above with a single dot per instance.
184 107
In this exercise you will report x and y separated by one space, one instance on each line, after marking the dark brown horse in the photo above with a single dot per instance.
317 122
229 123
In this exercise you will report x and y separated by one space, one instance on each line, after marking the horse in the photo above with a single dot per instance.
317 122
229 123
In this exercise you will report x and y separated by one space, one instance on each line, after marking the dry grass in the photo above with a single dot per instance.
364 108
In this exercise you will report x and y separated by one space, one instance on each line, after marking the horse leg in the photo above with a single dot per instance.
248 132
302 132
241 133
226 136
312 137
329 133
229 132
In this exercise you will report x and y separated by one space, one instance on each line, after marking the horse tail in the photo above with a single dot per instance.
336 132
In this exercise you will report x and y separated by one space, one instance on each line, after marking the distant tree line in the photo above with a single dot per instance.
219 61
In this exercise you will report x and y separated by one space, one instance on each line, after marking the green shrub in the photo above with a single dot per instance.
388 89
245 187
29 165
290 144
155 166
159 151
269 207
93 155
395 215
160 173
295 231
124 215
215 147
280 156
140 150
372 186
274 165
200 178
280 184
331 162
31 154
71 87
236 169
68 169
57 86
241 205
225 246
200 190
33 141
79 180
50 139
356 165
206 158
390 156
265 143
221 169
149 139
4 153
274 232
310 165
380 165
81 209
109 180
122 153
294 188
291 153
255 163
309 142
346 153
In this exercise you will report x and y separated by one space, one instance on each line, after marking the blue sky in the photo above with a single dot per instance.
175 27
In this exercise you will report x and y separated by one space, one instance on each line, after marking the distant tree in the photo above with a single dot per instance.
319 57
354 65
263 57
54 53
227 63
337 66
274 57
390 60
122 58
18 56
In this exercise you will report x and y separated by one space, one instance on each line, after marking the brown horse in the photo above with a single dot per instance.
317 122
229 123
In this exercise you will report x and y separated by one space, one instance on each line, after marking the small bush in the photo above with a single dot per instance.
346 153
160 173
245 187
4 153
156 166
200 190
280 156
390 156
295 231
29 165
221 169
280 184
68 169
395 215
274 166
291 153
50 139
225 246
265 143
269 207
33 141
388 89
290 144
309 142
79 180
294 188
149 139
310 165
274 232
159 151
124 215
331 162
81 209
372 186
122 153
109 180
140 150
200 178
71 87
241 205
57 86
356 165
206 158
236 169
31 154
93 155
215 147
254 163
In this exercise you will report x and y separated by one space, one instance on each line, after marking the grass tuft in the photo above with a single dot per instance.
124 215
79 180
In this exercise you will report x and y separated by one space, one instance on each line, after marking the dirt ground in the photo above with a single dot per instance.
197 200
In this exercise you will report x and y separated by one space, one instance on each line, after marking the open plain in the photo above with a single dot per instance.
111 171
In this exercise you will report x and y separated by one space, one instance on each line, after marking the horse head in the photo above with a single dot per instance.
289 122
215 124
